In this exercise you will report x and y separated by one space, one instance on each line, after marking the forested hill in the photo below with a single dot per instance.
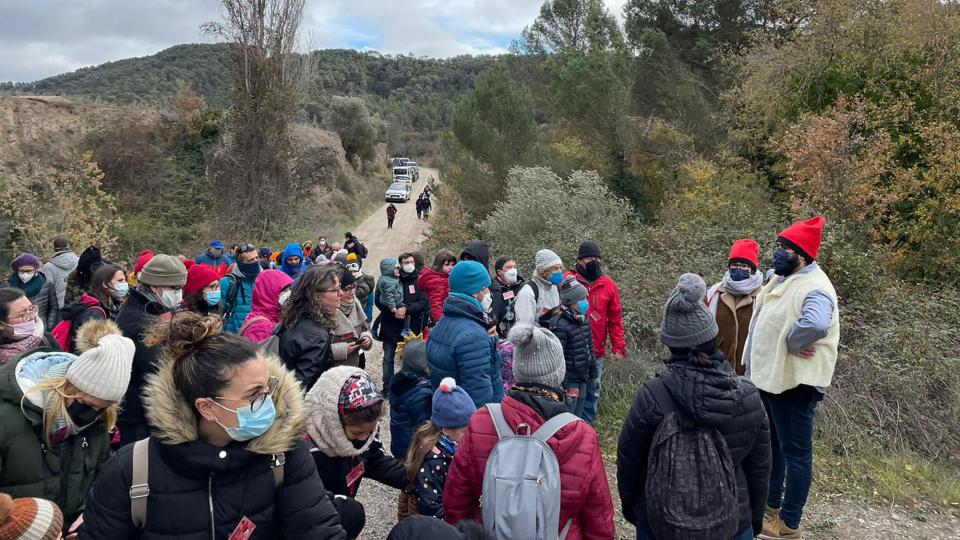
418 93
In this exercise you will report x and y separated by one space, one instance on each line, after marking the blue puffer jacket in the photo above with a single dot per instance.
411 398
235 299
460 347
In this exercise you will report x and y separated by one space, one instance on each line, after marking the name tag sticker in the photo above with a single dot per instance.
508 295
244 529
594 316
412 289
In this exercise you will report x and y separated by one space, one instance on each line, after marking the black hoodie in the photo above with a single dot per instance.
712 396
477 250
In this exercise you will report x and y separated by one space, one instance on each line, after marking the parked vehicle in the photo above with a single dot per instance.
398 191
415 169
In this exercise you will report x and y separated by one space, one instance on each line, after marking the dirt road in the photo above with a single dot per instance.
380 501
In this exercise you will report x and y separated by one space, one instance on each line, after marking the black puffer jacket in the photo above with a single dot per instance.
711 396
136 315
501 304
377 465
418 310
574 334
305 350
196 487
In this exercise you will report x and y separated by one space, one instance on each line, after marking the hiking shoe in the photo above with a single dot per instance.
775 529
769 513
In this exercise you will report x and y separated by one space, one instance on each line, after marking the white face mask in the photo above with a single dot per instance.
486 302
510 276
409 268
26 276
172 299
284 296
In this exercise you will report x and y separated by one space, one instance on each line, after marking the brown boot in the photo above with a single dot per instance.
769 513
775 529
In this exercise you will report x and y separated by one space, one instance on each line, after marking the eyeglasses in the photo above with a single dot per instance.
349 288
261 398
27 314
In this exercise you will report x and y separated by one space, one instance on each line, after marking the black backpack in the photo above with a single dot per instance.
691 489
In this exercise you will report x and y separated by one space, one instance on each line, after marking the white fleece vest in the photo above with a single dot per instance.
772 368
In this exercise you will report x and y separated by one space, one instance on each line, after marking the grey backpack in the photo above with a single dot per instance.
271 345
521 484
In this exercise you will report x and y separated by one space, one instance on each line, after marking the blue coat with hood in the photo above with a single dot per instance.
411 398
460 347
290 251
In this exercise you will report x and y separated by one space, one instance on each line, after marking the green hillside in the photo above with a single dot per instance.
417 93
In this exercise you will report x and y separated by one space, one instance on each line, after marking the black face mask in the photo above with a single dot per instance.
591 270
358 444
249 269
82 415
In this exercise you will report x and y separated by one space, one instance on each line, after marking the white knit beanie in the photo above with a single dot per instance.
537 356
546 258
104 371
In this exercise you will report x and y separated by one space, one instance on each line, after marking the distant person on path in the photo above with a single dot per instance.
237 289
155 299
540 295
59 267
731 300
606 315
459 345
699 386
411 317
270 290
308 322
790 355
27 277
391 215
585 498
214 256
505 287
353 245
435 282
426 206
419 207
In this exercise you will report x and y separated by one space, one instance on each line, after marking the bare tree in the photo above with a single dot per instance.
253 170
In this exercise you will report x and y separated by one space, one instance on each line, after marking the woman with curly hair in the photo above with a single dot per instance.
307 321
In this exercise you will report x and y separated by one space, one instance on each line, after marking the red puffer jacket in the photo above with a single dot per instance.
606 314
584 492
437 286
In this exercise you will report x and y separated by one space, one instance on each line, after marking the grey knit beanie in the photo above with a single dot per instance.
164 271
537 356
104 371
686 320
572 291
545 259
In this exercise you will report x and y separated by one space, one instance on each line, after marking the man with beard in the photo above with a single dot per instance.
790 356
605 315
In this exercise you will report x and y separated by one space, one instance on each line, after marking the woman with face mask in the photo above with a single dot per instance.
41 291
224 417
351 336
201 292
731 300
56 410
157 296
108 290
344 408
21 330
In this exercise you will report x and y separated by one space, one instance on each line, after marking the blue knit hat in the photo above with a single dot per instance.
452 406
469 277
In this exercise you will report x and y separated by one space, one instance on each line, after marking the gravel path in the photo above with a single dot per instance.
380 501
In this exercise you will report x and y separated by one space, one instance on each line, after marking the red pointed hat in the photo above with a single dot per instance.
804 236
745 250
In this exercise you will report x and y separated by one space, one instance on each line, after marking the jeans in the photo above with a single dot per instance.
577 404
593 396
643 533
791 439
389 354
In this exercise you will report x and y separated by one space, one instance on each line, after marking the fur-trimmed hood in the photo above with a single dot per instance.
175 422
324 425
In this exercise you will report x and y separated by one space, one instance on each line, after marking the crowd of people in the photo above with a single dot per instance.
227 396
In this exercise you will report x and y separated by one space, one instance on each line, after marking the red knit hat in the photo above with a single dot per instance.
29 519
198 277
804 237
142 260
746 251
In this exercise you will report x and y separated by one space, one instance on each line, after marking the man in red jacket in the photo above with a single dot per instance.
605 314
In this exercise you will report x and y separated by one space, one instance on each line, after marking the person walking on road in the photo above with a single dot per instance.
426 206
790 356
419 207
391 215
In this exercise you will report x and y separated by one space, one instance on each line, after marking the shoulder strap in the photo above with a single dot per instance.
535 289
277 462
659 390
553 425
250 321
139 485
232 294
499 422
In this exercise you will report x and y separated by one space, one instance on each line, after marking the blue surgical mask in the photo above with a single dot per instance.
556 278
583 306
251 424
121 290
784 263
213 298
739 274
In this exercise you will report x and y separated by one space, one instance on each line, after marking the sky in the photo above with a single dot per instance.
40 38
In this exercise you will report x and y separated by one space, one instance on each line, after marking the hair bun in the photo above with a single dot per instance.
6 507
184 332
521 335
448 384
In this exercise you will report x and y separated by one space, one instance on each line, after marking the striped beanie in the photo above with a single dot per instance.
29 519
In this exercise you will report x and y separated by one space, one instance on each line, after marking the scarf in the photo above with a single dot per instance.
30 288
9 351
742 288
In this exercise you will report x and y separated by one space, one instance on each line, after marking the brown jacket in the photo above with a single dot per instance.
733 317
